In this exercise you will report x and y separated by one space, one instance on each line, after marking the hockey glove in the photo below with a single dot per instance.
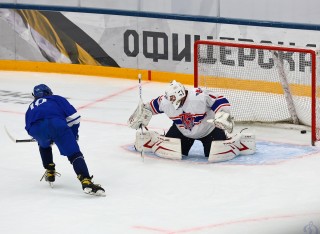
75 130
223 121
140 117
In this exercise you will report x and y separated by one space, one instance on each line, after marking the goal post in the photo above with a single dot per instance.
264 83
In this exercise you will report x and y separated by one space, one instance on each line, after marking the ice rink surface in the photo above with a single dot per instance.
275 191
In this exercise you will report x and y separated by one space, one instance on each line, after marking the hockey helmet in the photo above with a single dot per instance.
41 90
174 93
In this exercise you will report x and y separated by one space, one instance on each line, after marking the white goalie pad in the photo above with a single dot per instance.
224 150
248 143
240 144
140 117
167 147
145 140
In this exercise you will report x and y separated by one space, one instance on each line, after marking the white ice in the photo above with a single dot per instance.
151 195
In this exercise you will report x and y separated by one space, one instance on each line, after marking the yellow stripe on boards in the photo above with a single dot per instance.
77 69
186 79
158 76
253 85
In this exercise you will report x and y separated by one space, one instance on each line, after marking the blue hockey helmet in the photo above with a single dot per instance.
41 90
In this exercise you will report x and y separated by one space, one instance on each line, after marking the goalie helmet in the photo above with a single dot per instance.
174 93
41 90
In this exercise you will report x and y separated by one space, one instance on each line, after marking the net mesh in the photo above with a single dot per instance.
263 83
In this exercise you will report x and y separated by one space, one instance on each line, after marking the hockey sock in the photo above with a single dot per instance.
79 165
46 156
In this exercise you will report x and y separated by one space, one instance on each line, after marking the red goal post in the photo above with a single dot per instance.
264 83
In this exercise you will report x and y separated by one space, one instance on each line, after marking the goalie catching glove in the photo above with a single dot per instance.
223 120
140 117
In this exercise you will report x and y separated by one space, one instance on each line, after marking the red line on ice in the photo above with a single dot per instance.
107 97
217 225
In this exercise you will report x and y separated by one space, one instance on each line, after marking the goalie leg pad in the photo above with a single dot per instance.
240 144
248 144
168 147
145 140
224 150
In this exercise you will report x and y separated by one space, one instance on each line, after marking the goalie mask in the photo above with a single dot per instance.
174 93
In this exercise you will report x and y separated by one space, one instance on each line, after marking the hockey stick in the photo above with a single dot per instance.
141 102
18 140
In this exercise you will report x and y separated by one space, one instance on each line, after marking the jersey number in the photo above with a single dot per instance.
37 103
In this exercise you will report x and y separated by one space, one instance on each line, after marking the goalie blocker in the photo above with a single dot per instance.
170 148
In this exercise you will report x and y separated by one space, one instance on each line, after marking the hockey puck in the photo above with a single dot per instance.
303 131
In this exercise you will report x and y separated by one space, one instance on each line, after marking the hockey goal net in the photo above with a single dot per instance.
264 83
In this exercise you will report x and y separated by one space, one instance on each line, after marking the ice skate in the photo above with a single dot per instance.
89 187
50 174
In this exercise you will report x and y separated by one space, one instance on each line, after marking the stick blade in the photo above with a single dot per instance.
9 135
17 140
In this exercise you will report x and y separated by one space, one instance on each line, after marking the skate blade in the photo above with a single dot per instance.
99 193
51 184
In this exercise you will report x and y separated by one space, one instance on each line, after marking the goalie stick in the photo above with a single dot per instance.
141 102
18 140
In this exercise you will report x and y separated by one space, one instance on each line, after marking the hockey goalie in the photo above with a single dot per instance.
197 115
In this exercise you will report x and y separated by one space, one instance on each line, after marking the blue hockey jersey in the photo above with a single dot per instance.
50 107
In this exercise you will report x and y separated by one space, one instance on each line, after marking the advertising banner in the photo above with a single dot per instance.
125 41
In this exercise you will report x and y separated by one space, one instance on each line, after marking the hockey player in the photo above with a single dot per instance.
52 119
197 115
